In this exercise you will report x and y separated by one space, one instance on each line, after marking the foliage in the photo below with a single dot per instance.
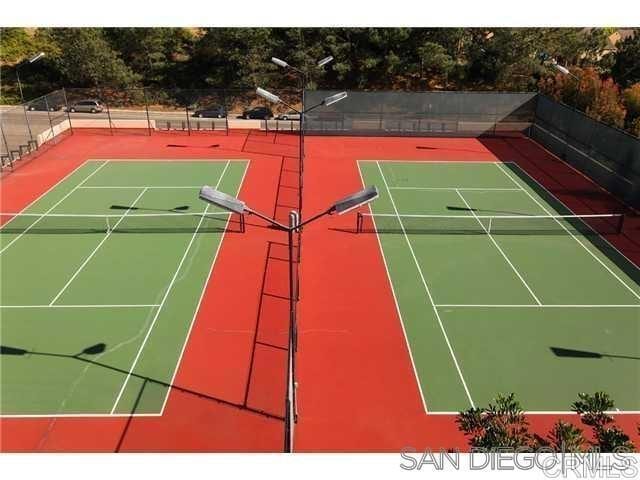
607 105
600 99
631 98
502 424
365 58
592 409
626 68
564 437
16 45
87 59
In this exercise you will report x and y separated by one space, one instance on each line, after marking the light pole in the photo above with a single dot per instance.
326 102
33 59
303 76
235 205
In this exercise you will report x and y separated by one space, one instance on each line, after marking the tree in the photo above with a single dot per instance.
87 59
152 53
599 99
434 60
592 409
565 437
631 98
17 45
607 105
502 424
626 68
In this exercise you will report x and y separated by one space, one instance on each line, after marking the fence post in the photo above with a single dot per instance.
226 111
26 117
66 107
106 104
146 108
46 105
186 111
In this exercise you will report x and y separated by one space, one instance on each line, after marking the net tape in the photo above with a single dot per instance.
494 225
38 223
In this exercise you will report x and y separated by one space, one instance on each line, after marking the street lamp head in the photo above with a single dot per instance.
355 200
267 95
36 57
280 63
561 69
325 60
222 200
334 98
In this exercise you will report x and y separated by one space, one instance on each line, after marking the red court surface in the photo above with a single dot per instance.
356 388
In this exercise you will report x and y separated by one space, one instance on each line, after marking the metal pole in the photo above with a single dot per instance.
292 304
289 419
186 110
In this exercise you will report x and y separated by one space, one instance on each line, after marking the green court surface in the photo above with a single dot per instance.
545 310
90 313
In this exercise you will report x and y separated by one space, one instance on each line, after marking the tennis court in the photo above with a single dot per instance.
101 280
500 289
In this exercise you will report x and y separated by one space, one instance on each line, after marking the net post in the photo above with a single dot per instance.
359 220
242 224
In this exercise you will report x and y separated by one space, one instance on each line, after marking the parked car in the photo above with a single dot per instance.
87 106
261 113
289 116
212 111
42 106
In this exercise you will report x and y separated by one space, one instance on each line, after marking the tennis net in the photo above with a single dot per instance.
600 224
58 223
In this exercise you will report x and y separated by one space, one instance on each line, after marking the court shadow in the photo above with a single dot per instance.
485 210
100 348
181 208
571 353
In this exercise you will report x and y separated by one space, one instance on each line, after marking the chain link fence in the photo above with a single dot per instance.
609 156
27 127
143 111
465 114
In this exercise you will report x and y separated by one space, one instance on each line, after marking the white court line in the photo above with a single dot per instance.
106 237
83 306
528 305
137 187
54 206
395 299
567 230
493 240
204 287
480 189
50 188
426 287
164 299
